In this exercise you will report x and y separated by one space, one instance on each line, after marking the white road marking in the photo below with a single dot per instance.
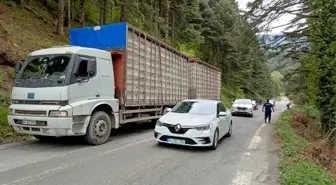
256 138
244 177
44 173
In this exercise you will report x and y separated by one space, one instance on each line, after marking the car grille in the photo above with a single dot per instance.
242 108
172 129
187 140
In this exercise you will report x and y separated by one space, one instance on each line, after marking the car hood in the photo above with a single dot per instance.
242 105
186 119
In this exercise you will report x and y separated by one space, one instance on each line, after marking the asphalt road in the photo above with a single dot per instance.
131 157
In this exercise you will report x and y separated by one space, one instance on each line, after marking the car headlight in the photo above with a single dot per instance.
159 123
10 111
55 113
203 128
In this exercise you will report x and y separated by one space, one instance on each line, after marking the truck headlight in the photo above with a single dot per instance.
203 128
10 111
56 113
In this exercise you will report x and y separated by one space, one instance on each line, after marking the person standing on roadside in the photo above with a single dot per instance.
267 108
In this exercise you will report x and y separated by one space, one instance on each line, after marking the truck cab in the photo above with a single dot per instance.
65 91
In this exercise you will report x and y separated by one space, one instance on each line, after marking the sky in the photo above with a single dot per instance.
283 20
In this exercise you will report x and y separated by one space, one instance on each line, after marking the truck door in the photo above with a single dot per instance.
84 86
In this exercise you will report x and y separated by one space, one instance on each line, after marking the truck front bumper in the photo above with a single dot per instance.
49 126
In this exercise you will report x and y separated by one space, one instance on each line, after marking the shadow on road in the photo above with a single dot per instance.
124 131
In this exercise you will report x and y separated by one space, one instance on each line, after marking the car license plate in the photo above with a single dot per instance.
28 122
176 141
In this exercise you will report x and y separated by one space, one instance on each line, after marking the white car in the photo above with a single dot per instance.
194 123
242 107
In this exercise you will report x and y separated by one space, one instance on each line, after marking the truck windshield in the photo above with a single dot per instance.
194 107
44 70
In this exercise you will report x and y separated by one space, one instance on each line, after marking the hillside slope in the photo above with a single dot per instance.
21 31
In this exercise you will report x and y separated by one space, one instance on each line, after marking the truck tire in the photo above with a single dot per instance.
99 128
44 138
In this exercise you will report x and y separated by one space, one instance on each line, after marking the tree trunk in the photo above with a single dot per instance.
112 10
60 17
167 18
69 14
73 9
122 12
81 13
20 2
173 29
101 12
105 11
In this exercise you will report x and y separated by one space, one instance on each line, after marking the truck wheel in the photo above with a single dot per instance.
44 138
99 128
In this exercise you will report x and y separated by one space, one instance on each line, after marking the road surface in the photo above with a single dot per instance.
132 157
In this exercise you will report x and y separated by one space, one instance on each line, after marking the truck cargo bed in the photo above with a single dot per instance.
147 71
204 81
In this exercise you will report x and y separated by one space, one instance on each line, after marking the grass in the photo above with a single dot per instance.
7 134
294 167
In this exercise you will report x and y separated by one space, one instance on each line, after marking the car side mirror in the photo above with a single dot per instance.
222 114
169 109
18 66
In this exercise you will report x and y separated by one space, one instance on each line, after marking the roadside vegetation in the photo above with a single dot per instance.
213 31
7 134
306 158
306 54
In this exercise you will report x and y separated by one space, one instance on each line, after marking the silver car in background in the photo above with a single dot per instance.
242 107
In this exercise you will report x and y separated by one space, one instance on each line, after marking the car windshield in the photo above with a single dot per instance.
243 101
195 107
52 67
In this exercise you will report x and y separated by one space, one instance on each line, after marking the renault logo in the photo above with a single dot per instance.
177 127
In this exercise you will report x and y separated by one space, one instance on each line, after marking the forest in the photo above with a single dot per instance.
215 31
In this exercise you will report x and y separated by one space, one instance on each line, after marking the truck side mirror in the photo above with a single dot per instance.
18 66
90 67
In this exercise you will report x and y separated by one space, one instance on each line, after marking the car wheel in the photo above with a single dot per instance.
215 140
99 129
229 134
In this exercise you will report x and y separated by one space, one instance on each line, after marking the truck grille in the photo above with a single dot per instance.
30 113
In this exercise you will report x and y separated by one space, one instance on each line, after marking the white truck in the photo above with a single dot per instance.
112 75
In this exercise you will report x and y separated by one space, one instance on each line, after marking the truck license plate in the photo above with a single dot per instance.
176 141
28 122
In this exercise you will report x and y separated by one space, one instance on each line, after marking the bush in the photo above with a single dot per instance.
296 167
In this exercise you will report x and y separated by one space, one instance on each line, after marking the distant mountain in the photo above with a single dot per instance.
268 38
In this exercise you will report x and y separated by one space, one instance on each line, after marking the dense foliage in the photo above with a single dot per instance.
309 45
212 30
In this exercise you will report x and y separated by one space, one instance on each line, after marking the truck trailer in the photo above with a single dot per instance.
204 80
110 75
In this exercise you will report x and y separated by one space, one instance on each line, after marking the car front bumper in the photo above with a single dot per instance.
242 112
192 137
